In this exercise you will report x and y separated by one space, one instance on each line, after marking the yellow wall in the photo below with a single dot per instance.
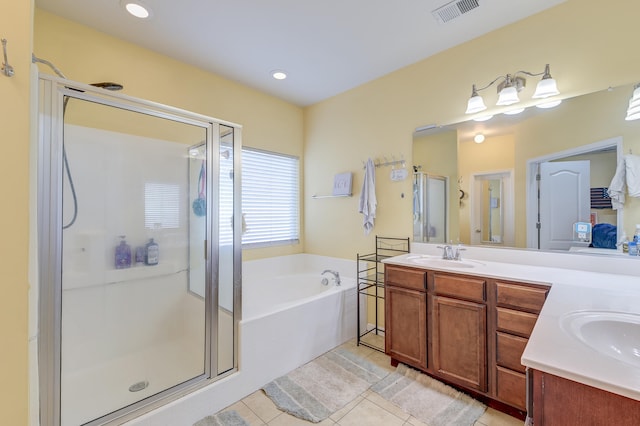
89 56
15 26
587 50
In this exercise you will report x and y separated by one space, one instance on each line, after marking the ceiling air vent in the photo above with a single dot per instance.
453 10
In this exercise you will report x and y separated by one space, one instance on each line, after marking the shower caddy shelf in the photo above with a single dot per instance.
370 288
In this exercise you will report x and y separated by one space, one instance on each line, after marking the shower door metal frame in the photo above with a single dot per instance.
51 93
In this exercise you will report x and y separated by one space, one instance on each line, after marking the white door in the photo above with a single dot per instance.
564 200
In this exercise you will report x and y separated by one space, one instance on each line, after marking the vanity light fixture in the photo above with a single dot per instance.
279 74
514 111
479 138
136 8
483 118
633 111
508 88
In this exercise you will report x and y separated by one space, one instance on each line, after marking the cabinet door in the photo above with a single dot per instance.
460 341
562 402
406 326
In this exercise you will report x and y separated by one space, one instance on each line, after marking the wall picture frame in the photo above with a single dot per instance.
342 184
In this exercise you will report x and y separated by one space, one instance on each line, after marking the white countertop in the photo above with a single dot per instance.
550 348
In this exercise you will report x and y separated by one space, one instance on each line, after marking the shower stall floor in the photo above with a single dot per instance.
94 392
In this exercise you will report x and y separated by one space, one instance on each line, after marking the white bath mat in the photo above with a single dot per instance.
323 386
427 399
224 418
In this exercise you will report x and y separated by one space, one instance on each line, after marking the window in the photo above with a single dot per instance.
270 191
161 205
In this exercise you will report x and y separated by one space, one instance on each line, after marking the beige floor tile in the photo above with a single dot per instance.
493 417
381 360
388 406
369 414
246 413
414 422
344 410
262 406
286 419
362 351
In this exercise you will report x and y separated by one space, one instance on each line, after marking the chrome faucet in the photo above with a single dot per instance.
449 252
336 275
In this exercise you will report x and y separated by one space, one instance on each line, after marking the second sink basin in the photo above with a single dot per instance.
613 334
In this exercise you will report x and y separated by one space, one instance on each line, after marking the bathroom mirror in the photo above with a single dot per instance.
591 127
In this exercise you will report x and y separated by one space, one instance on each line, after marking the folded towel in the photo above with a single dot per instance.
632 168
617 187
368 202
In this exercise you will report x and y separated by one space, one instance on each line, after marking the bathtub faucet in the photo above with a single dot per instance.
336 275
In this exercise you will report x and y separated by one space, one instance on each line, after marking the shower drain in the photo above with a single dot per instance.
136 387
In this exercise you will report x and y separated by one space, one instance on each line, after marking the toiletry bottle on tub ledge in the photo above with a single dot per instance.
123 254
153 253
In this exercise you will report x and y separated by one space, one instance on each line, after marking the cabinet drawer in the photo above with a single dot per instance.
520 296
512 387
473 289
407 278
509 350
515 321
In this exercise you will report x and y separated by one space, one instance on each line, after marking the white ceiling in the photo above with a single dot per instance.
325 46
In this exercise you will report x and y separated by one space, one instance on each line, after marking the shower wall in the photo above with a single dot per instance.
134 325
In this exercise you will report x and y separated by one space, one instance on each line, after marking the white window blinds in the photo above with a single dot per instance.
270 200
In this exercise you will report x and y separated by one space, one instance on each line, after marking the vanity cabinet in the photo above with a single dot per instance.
467 330
406 315
559 401
459 329
516 312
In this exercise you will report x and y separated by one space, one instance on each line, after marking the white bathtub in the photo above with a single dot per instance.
289 318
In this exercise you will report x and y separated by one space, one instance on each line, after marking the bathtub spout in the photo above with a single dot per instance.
336 275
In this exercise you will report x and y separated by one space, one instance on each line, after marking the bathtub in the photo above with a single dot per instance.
288 318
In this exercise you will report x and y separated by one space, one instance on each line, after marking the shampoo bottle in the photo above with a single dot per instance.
123 254
153 252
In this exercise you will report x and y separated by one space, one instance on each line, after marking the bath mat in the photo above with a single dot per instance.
427 399
323 386
224 418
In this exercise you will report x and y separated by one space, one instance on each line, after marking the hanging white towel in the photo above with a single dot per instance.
618 186
368 202
632 167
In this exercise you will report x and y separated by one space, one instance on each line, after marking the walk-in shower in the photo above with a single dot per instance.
140 298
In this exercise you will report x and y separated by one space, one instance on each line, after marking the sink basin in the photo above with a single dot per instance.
438 262
613 334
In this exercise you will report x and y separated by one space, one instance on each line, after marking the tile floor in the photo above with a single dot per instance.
369 409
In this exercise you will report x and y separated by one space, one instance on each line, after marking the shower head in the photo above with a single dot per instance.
108 85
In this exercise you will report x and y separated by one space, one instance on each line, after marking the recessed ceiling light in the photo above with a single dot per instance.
279 74
479 138
137 9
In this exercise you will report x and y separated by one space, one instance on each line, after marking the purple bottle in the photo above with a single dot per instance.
123 254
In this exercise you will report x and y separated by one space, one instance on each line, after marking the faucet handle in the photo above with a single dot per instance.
459 248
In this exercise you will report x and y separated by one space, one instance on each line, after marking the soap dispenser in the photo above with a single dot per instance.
123 254
153 253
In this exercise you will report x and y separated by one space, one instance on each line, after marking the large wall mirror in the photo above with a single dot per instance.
494 190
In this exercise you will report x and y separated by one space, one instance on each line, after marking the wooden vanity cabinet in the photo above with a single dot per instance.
516 312
406 315
459 329
467 330
562 402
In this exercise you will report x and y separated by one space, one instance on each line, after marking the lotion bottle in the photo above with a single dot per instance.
153 253
123 254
